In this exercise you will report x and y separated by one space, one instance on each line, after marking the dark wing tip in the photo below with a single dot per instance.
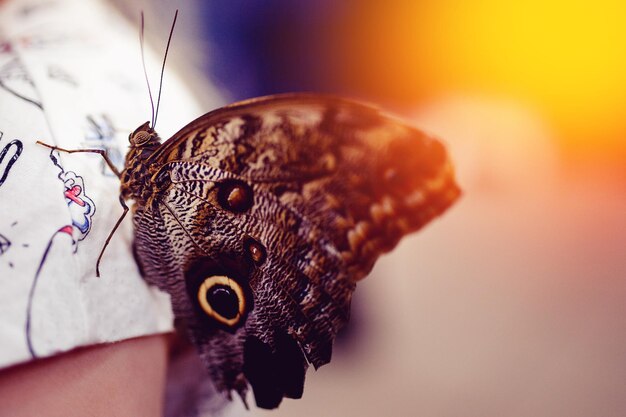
274 374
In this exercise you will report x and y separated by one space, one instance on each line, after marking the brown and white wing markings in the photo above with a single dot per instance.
292 197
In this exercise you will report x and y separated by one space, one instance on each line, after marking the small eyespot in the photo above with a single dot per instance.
222 299
235 196
255 250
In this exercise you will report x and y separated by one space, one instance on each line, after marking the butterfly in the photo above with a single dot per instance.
260 217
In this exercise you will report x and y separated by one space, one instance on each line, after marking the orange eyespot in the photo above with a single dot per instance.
255 250
222 299
235 196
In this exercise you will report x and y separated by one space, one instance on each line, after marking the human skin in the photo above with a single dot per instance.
118 379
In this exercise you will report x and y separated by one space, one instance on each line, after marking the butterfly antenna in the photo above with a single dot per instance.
145 73
167 48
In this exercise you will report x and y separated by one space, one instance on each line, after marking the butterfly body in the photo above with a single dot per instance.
136 178
259 218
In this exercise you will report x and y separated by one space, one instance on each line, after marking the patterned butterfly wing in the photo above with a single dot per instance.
260 218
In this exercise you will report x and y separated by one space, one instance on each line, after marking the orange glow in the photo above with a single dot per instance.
568 58
564 59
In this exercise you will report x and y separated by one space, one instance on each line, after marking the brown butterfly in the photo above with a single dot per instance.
260 217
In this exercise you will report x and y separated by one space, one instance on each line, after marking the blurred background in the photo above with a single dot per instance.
514 303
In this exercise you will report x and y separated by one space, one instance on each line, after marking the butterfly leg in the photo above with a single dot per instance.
101 152
106 243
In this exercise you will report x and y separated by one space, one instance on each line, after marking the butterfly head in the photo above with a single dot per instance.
143 136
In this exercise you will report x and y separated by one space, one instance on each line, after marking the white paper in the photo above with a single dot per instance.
71 75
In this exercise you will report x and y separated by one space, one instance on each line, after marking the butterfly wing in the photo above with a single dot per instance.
268 213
